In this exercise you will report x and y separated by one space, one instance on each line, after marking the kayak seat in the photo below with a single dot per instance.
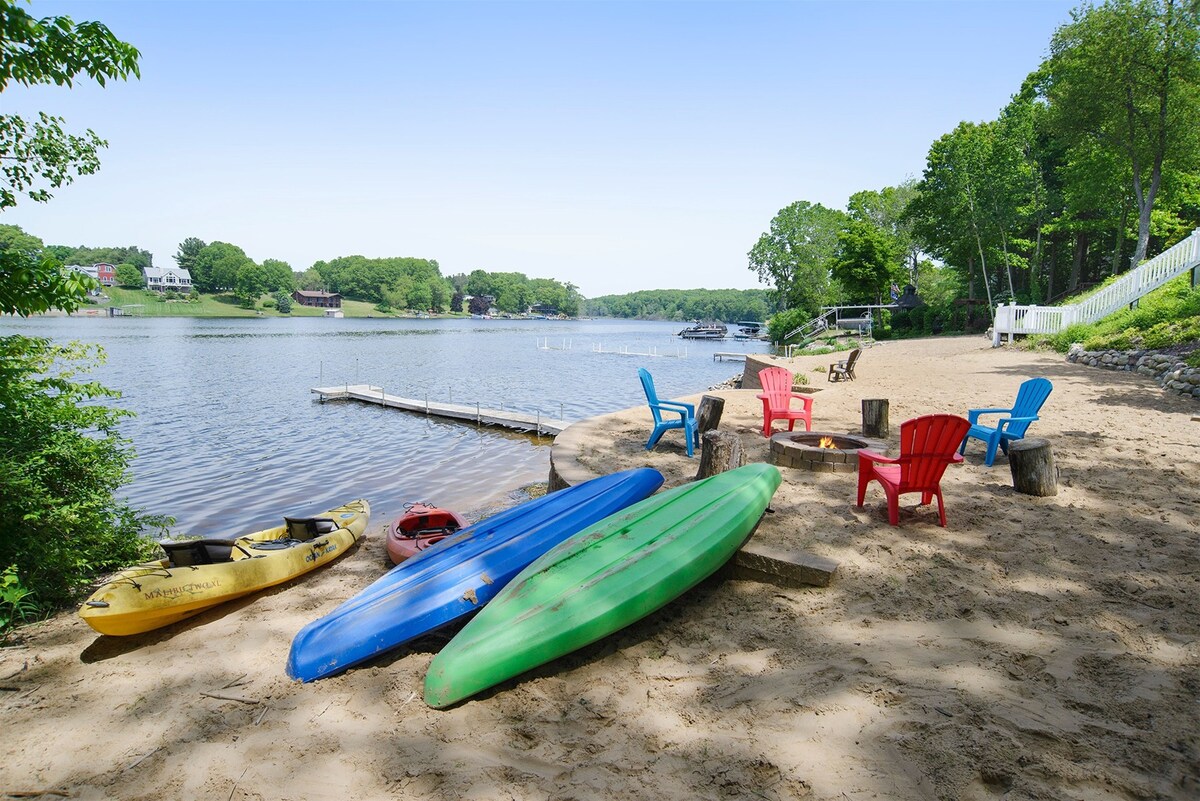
190 553
308 528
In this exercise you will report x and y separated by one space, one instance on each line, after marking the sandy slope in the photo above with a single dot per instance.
1035 648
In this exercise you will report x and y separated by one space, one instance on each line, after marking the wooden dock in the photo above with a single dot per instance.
473 413
721 356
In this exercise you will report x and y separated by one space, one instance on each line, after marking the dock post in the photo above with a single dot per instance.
539 422
478 419
560 411
426 401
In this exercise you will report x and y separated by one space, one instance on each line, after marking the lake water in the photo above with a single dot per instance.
229 438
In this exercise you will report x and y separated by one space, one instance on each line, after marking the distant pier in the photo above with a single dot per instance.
473 413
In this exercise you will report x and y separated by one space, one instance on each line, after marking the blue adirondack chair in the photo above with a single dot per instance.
686 412
1013 422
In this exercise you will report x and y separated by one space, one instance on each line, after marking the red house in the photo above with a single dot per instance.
106 274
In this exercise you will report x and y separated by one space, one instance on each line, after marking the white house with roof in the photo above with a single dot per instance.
168 279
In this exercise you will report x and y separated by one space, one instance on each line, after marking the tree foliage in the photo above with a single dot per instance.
32 282
727 305
796 255
130 276
1093 164
867 261
1123 78
389 281
216 266
62 460
36 156
61 457
185 257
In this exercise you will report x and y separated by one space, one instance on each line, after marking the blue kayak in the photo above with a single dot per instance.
465 571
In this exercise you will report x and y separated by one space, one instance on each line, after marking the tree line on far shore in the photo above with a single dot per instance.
391 284
725 305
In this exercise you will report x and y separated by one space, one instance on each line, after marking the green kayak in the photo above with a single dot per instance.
602 579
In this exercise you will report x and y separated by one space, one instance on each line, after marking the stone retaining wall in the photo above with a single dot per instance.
1165 368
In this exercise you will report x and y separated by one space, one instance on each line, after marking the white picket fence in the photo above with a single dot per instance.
1015 320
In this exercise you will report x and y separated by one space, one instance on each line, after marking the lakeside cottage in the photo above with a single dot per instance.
320 300
168 279
106 274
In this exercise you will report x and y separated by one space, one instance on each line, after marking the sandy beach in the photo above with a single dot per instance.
1035 648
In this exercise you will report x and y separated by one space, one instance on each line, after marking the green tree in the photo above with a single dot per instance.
62 460
283 302
948 215
886 210
185 257
867 261
1125 76
310 281
32 282
249 282
130 276
797 253
62 457
279 275
53 50
216 266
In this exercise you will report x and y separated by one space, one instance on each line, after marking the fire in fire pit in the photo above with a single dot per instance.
821 451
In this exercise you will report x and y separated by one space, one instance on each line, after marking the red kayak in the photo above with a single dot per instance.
420 527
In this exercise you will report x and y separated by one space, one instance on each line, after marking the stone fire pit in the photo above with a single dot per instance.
800 450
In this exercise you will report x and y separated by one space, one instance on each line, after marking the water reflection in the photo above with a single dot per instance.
229 437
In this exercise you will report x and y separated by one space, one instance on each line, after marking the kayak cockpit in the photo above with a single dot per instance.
296 530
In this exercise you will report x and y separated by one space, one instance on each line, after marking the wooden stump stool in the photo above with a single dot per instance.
875 418
1032 465
708 416
719 451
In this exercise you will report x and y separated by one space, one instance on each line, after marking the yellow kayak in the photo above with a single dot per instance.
199 574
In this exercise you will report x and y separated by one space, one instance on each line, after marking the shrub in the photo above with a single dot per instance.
782 323
15 605
799 380
1192 359
269 303
1078 332
283 302
63 458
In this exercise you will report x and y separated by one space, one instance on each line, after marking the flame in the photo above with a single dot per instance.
826 442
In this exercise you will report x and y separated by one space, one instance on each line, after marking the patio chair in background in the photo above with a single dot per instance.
1030 397
927 446
845 369
686 412
777 400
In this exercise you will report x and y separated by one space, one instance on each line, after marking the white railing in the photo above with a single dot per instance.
1147 276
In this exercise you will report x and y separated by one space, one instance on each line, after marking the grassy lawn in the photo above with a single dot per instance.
145 303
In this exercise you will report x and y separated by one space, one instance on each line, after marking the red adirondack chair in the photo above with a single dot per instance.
927 445
777 400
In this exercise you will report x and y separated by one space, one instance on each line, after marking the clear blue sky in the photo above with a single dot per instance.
618 146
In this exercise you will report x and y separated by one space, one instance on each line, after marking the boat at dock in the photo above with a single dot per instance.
704 331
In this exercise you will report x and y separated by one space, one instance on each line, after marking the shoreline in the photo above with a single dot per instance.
1042 648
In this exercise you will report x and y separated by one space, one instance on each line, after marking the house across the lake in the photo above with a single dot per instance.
168 279
320 300
106 274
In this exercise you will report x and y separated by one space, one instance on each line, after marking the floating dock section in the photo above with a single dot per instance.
473 413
